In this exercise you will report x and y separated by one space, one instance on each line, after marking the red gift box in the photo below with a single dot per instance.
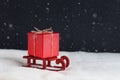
43 45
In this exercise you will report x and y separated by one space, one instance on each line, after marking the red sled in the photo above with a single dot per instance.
45 47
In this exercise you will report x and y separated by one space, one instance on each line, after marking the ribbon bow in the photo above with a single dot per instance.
38 31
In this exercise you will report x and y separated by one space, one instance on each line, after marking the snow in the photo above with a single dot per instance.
94 15
47 8
8 37
78 3
36 15
48 3
66 17
78 14
10 25
17 34
5 23
93 23
67 26
84 66
85 10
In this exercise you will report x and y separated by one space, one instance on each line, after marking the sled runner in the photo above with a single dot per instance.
61 63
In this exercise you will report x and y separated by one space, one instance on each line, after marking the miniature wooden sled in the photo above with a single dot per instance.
61 63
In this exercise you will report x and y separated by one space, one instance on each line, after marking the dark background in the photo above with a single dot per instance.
84 25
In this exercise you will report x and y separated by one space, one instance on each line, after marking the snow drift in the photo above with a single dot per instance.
83 66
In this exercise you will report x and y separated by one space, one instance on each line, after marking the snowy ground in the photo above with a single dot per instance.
84 66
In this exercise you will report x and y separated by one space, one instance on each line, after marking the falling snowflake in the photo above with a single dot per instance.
17 34
48 9
93 30
73 16
78 3
94 15
93 23
114 50
31 12
8 37
84 42
83 48
93 48
64 9
67 20
96 50
101 24
78 14
104 50
93 40
88 50
109 28
7 0
116 27
10 25
98 23
48 3
103 39
85 10
67 26
38 6
104 43
65 17
5 24
36 15
47 18
72 45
